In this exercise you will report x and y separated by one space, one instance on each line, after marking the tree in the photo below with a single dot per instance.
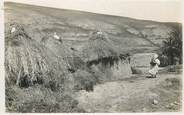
172 47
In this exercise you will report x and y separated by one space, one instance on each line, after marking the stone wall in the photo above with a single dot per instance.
140 62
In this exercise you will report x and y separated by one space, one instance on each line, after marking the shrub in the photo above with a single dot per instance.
38 99
172 47
84 80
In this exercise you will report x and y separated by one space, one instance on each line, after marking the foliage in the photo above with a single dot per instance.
38 99
84 80
164 61
172 47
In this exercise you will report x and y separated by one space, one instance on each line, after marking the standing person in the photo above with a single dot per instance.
154 66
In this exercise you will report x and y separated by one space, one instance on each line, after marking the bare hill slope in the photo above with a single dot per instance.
126 33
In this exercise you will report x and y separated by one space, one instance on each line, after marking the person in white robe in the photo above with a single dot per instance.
155 62
56 36
13 29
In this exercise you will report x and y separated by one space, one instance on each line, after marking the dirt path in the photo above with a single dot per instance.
132 95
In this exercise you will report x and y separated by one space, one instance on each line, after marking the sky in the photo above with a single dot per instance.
156 10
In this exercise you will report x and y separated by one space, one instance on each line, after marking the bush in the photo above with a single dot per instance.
172 47
84 80
39 99
164 61
172 83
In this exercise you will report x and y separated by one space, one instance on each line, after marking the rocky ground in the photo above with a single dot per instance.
138 94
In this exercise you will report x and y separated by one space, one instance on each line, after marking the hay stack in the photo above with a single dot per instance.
27 59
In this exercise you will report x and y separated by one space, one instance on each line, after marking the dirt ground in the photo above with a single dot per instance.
137 94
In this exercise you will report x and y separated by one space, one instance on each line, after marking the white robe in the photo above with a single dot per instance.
154 69
13 30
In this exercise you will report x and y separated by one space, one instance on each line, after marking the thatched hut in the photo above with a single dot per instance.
99 46
63 51
29 61
103 56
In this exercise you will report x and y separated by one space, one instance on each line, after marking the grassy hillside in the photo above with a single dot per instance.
126 33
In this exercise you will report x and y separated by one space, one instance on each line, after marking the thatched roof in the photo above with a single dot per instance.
99 46
25 56
19 30
58 47
64 51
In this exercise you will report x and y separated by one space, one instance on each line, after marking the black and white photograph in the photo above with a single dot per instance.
92 56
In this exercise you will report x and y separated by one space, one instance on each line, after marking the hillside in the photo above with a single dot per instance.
126 33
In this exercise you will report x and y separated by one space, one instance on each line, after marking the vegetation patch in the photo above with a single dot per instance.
39 99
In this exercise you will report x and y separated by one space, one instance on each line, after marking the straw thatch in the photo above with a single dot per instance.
63 51
26 59
58 47
99 46
100 49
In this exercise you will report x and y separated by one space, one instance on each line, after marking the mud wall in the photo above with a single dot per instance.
119 70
